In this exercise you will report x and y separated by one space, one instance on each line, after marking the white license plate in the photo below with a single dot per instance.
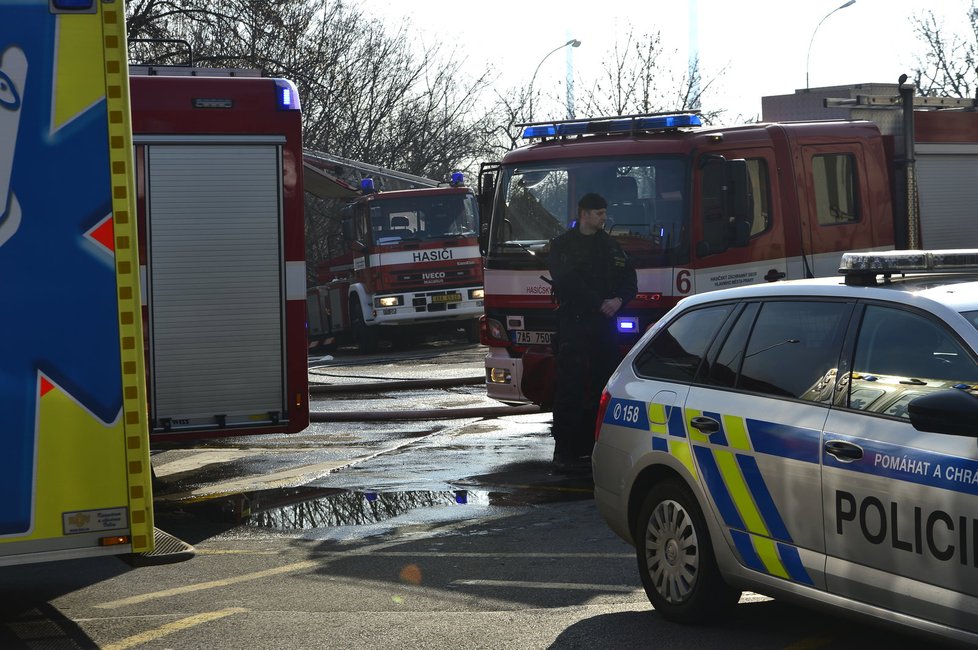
527 337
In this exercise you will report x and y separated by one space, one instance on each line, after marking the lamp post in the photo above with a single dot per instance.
573 43
808 58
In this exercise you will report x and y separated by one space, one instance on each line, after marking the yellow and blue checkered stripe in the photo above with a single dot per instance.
726 467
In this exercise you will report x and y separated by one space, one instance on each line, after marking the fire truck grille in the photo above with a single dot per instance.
433 277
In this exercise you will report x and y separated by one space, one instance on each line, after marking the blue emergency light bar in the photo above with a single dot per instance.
457 179
367 186
286 95
612 125
627 324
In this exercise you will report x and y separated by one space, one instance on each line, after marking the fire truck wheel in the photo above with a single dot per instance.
363 334
471 328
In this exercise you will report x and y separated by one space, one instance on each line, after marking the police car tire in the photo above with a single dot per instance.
692 591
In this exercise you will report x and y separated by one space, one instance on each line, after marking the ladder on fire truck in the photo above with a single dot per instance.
332 177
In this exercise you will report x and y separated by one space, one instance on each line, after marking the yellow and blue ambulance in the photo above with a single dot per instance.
75 477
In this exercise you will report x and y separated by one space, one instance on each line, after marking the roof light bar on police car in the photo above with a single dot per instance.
860 267
612 125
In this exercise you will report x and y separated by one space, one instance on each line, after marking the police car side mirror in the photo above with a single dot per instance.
954 412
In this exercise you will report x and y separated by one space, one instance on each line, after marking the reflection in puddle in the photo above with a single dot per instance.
348 508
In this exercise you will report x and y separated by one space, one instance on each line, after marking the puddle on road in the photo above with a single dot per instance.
314 507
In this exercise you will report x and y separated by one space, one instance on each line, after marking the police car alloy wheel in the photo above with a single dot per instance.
675 557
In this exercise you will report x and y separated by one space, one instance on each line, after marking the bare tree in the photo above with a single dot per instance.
367 92
949 66
638 78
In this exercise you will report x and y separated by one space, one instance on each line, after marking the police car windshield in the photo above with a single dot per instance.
538 201
446 216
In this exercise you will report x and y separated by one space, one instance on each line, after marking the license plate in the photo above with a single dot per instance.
527 337
448 297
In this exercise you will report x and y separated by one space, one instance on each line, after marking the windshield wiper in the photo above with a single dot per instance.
516 244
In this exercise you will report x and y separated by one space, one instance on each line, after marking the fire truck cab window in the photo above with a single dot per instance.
428 217
646 213
834 180
761 191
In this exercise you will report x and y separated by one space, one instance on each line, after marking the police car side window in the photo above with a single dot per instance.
723 368
901 355
794 349
676 351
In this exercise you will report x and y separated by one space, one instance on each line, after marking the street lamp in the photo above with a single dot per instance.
573 43
808 58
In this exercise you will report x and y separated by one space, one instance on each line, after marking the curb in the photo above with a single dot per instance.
406 384
435 414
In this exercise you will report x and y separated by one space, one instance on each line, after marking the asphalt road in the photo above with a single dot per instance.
418 534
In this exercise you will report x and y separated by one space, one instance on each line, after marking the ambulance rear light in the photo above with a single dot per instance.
287 97
862 268
114 540
626 124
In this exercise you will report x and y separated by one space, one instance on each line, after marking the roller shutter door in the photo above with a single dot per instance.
215 285
948 188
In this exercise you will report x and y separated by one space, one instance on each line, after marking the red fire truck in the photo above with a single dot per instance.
221 251
699 209
409 263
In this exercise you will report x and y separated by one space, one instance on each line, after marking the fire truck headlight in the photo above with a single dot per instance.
498 376
388 301
477 294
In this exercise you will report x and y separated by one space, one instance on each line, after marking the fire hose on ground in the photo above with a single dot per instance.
414 414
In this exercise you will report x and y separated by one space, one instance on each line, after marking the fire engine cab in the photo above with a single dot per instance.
702 208
408 262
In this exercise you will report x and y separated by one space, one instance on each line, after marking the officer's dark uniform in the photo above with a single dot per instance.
586 270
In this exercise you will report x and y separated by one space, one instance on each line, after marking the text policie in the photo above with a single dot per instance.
932 532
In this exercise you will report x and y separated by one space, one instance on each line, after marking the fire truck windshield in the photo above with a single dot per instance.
646 208
423 217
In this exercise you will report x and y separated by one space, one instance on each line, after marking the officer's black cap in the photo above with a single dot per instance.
592 201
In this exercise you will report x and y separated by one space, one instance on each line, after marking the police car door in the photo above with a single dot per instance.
901 505
754 418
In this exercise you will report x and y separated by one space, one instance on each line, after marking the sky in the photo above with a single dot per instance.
751 48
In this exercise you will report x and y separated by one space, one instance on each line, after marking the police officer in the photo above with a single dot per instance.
592 279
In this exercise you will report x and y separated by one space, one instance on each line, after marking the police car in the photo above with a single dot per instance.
814 440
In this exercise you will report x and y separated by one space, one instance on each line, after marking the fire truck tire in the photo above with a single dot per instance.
471 328
363 334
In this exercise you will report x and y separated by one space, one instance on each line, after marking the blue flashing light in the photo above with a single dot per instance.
541 131
457 179
627 324
73 5
613 125
367 186
286 95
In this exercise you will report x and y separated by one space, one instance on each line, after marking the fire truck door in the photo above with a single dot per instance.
215 273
